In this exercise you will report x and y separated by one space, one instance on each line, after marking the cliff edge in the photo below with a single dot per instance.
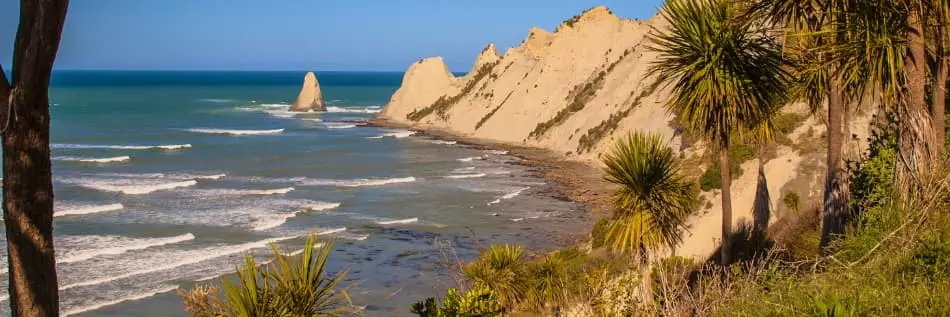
577 90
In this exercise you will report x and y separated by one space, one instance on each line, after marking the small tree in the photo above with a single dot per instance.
652 202
726 74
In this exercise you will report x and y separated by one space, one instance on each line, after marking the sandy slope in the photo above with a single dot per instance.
532 82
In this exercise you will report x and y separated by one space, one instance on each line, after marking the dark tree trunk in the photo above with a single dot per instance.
835 211
724 173
27 182
916 129
939 108
762 208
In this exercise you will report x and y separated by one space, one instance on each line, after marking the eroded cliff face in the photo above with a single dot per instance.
576 91
310 97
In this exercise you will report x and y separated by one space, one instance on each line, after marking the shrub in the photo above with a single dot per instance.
792 201
478 302
284 288
492 113
579 96
598 235
739 153
501 269
589 140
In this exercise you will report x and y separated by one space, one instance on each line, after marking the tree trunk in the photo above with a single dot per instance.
724 173
27 181
646 279
916 137
938 110
762 209
835 211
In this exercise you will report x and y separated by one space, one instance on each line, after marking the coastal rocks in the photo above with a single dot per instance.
310 97
424 82
575 92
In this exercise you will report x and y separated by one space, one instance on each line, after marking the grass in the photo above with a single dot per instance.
578 98
492 113
589 140
444 103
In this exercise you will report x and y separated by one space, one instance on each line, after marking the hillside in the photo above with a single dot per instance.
576 90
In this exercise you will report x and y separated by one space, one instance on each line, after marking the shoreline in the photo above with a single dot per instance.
575 181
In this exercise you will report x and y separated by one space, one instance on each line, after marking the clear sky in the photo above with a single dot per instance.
375 35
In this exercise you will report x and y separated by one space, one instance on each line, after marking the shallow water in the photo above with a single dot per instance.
165 179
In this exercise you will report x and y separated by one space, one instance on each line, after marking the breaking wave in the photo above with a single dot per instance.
92 160
235 132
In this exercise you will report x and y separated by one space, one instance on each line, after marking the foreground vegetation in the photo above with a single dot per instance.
878 245
286 286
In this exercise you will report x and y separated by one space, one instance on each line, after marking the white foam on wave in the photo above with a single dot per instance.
510 195
331 231
469 159
332 125
211 177
397 222
92 159
120 147
138 189
497 152
273 105
235 132
395 134
86 210
274 221
334 109
198 257
248 192
515 193
442 142
462 176
107 245
139 296
362 182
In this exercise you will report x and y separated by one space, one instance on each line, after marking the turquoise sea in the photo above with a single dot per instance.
166 179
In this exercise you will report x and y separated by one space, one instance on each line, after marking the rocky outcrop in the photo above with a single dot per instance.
576 91
310 97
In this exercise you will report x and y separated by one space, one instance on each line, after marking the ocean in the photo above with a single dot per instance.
167 179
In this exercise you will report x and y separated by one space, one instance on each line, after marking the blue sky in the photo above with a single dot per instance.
377 35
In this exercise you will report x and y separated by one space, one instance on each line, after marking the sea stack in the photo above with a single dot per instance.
310 97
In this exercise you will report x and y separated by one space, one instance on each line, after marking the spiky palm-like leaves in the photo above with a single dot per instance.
499 269
653 200
727 74
289 286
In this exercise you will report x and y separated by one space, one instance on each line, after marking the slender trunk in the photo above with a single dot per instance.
27 181
646 278
762 207
916 131
938 110
834 211
726 248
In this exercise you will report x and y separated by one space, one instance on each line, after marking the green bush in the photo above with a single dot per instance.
598 235
792 201
478 302
287 287
739 153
